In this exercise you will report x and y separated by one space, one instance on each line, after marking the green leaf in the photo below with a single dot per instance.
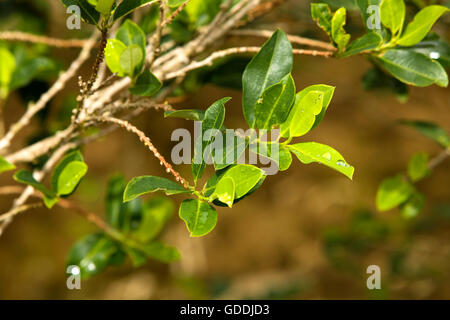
114 205
130 60
368 15
70 177
321 13
155 214
200 217
113 51
309 152
104 7
245 177
392 14
430 130
30 68
147 84
130 33
418 166
93 254
175 3
139 186
307 105
189 114
225 191
26 177
232 149
7 67
161 252
413 206
434 49
275 103
88 12
270 65
276 152
340 37
68 173
365 43
392 192
202 12
413 68
213 119
299 106
5 165
421 25
128 6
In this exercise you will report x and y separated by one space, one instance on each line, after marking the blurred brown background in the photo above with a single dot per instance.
308 233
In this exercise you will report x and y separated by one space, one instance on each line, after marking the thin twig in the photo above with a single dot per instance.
433 163
27 37
23 208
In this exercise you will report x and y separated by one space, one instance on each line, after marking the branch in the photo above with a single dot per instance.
433 163
27 37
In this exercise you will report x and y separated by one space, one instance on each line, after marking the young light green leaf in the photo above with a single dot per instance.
245 177
340 37
189 114
104 7
147 84
392 14
200 217
93 254
155 214
430 130
418 166
367 42
421 25
327 93
225 191
413 68
130 60
7 67
321 13
270 65
275 103
60 167
88 12
275 152
306 107
5 165
175 3
413 206
309 152
130 33
128 6
139 186
392 192
113 51
26 177
70 176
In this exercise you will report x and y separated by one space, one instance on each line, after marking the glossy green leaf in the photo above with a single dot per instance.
421 25
60 167
392 14
139 186
270 65
88 12
225 191
365 43
5 165
275 103
418 166
130 60
413 206
130 33
93 254
340 37
147 84
104 7
189 114
321 13
392 192
430 130
7 67
309 152
368 14
300 108
128 6
113 51
276 152
26 177
70 177
161 252
200 217
434 49
413 68
114 205
245 177
155 214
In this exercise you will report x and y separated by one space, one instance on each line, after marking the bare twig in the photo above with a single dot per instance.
433 163
27 37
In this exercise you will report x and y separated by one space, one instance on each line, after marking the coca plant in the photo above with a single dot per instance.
147 52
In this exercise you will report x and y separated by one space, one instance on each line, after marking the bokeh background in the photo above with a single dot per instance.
308 233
